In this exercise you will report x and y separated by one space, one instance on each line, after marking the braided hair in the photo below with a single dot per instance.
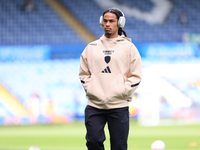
118 13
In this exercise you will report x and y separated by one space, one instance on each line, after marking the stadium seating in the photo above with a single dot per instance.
140 31
40 27
50 79
44 26
58 79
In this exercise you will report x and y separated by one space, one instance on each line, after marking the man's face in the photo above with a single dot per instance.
110 24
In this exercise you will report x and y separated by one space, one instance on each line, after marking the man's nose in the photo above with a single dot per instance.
107 23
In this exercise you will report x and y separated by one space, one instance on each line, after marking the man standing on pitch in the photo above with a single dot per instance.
110 72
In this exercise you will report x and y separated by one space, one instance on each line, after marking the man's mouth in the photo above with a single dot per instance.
107 29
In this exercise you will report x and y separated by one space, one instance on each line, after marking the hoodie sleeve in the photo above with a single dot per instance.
84 73
134 75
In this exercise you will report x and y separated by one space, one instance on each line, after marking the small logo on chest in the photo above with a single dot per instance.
108 52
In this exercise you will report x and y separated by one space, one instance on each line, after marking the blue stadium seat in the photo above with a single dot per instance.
43 77
43 26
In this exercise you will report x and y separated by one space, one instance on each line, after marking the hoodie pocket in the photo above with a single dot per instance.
106 87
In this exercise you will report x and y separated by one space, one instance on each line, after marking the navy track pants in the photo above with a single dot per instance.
118 126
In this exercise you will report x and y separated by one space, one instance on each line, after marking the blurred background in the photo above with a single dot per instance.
41 42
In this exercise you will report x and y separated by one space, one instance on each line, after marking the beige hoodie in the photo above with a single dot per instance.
110 72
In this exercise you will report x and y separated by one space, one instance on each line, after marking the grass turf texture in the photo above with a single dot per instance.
71 136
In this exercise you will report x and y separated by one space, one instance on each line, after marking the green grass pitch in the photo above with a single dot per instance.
71 136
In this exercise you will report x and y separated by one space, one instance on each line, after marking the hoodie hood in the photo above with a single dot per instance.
117 39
